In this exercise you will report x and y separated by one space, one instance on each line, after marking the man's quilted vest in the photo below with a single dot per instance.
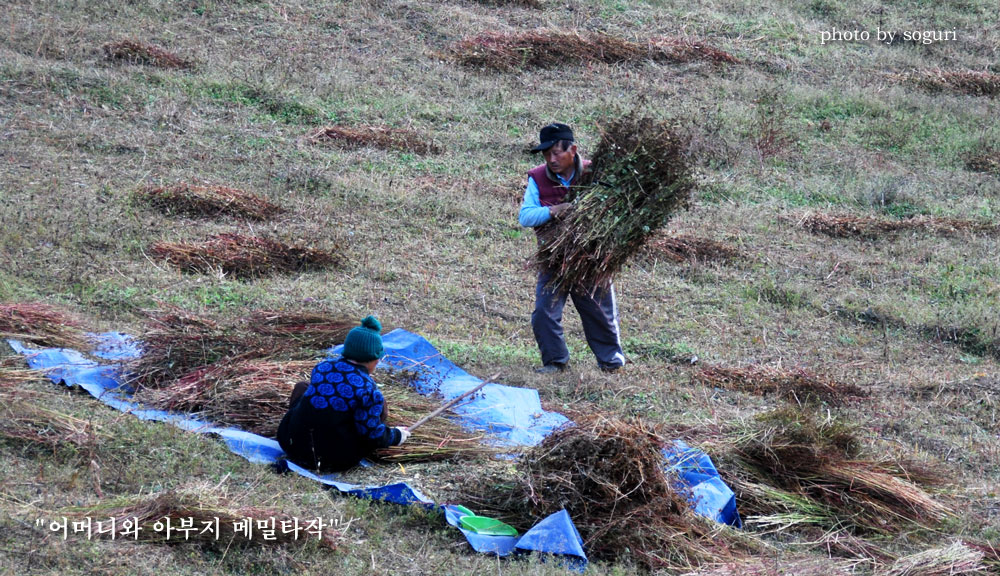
550 193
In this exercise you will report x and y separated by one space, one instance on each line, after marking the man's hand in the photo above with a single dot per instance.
404 433
560 210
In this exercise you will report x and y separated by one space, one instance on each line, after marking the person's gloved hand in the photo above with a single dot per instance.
404 433
559 210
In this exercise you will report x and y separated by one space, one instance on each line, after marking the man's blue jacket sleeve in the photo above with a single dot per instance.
532 212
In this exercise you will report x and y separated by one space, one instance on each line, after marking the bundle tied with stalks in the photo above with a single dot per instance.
209 201
801 466
610 476
136 52
214 521
242 256
40 324
796 384
640 176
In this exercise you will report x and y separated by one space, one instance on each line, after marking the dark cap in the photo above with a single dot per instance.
551 134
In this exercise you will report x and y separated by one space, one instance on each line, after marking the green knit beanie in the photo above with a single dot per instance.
363 343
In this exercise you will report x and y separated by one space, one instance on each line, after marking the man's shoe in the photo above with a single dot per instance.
553 368
610 367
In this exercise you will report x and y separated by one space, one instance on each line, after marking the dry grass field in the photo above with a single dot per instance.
392 134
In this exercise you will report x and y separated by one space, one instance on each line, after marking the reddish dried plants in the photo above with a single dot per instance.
377 137
242 256
209 201
136 52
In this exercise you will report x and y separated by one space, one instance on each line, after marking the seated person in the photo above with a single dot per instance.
337 418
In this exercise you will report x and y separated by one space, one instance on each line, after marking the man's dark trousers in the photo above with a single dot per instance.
598 312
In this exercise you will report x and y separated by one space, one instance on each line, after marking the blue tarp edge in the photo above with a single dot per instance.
102 381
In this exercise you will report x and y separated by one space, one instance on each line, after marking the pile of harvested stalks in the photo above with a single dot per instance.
24 415
40 325
550 49
988 162
687 50
242 256
971 82
28 419
178 341
873 227
609 475
136 52
948 561
640 176
210 201
684 248
990 552
801 470
536 4
310 329
218 523
375 136
796 384
783 566
253 395
437 439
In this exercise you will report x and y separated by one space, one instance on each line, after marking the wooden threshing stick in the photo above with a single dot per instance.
451 403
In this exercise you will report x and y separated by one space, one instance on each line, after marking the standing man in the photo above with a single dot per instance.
544 204
336 419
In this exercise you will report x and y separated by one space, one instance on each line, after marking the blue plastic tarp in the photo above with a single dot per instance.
510 416
555 534
696 474
510 425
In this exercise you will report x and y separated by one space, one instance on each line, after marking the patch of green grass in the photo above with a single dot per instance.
271 103
801 196
957 282
486 353
932 133
771 291
662 348
831 105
